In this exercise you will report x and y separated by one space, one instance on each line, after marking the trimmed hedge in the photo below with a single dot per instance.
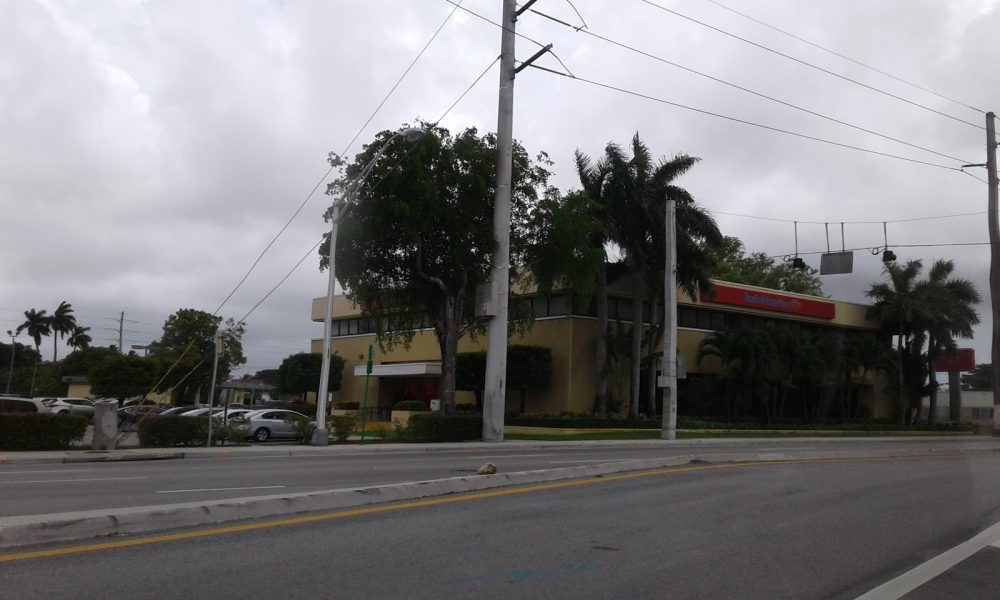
441 428
347 405
874 425
173 431
34 431
341 426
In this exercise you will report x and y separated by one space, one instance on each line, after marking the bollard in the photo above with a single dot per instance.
105 425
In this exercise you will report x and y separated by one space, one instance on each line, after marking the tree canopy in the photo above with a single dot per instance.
731 262
189 337
299 373
419 237
123 376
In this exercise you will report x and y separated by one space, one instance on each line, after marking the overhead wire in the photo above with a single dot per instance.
747 122
405 154
843 56
743 88
869 248
878 222
809 64
330 169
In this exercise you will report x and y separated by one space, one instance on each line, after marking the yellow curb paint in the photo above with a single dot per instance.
357 512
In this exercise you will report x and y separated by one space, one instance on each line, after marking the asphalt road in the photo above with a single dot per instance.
51 488
797 531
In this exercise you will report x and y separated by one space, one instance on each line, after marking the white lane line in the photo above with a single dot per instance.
256 487
499 456
50 471
70 480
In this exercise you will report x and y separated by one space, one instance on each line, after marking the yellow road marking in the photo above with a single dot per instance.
188 535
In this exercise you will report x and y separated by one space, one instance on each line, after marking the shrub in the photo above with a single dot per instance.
304 428
444 428
173 431
348 405
409 405
341 426
34 431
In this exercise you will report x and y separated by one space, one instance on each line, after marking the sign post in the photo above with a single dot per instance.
364 405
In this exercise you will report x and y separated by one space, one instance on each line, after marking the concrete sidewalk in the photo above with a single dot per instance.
137 454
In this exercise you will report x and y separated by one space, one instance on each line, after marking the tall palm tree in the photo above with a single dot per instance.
36 323
953 315
78 338
638 189
61 323
593 179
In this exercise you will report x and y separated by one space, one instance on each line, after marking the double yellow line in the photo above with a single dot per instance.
385 508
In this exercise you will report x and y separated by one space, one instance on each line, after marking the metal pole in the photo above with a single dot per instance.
669 424
320 436
495 392
10 372
364 405
121 333
991 180
211 388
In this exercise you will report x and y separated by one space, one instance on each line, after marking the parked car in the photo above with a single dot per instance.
128 416
67 406
267 424
201 412
13 404
175 411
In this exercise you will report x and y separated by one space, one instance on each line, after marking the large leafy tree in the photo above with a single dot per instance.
186 350
638 190
37 325
122 377
61 322
299 373
529 368
419 238
731 262
82 362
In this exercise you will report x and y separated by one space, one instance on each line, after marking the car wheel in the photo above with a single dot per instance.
262 434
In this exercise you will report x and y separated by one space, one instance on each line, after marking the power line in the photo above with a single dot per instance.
330 169
745 89
808 64
975 177
879 246
847 58
751 123
834 222
277 285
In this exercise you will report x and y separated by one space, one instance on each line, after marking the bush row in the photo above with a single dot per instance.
584 422
33 431
173 431
440 428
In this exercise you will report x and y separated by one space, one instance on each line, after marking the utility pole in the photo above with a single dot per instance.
121 333
10 372
991 181
668 429
495 393
211 393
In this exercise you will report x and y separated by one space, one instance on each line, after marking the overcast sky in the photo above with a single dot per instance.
149 150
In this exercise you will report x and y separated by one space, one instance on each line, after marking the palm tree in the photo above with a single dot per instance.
899 306
952 315
78 338
593 178
62 323
36 323
637 191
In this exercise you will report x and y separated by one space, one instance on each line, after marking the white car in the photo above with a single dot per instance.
268 424
68 406
201 412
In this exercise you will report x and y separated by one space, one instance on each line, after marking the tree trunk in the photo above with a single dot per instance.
931 380
524 399
448 342
55 346
902 403
601 352
636 350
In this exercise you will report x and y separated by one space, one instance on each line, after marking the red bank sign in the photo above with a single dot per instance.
794 305
963 360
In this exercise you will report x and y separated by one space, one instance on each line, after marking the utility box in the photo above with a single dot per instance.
105 425
486 299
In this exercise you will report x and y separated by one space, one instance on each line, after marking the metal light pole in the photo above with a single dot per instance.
10 372
211 393
320 436
668 429
991 180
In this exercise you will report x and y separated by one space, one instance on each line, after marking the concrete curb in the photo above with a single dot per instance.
81 525
78 456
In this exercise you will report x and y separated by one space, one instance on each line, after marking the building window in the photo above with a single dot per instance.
982 413
559 305
539 307
624 309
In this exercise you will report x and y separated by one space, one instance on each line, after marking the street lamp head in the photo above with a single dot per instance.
412 134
